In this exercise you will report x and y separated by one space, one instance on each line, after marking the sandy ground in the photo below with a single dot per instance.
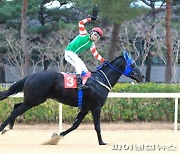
121 138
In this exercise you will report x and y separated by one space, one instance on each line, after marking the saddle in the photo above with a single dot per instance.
70 80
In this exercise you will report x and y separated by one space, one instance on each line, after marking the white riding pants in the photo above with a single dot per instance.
75 61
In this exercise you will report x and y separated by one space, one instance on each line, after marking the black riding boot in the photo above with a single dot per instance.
79 82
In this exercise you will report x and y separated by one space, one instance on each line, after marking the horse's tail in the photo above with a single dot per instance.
14 89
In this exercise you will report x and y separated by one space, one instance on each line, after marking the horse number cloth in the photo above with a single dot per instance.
70 80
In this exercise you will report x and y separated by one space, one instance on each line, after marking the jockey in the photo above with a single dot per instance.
81 43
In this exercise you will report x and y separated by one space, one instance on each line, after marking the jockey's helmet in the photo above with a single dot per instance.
98 30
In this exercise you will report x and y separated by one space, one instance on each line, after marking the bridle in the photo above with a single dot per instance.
128 71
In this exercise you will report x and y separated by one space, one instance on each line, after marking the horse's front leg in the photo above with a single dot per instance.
96 111
77 122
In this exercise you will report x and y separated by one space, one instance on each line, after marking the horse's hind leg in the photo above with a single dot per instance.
77 122
11 124
20 110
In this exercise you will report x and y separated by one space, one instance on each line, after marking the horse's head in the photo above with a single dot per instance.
131 69
124 65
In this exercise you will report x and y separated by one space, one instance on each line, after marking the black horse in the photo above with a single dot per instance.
47 84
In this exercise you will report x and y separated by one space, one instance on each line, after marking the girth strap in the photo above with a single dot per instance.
80 97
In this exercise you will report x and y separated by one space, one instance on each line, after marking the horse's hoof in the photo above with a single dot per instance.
1 129
102 143
53 141
54 135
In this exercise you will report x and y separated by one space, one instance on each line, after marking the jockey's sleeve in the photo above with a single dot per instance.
96 54
82 30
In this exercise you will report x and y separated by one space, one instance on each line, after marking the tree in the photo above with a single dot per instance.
151 4
3 51
37 9
117 11
26 53
44 13
168 75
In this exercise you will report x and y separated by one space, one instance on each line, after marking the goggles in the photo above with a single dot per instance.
96 34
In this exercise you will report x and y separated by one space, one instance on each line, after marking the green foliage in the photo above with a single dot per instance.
47 112
118 11
147 87
4 15
33 6
6 107
3 49
124 109
16 24
63 25
138 110
45 29
9 10
44 113
147 109
84 5
176 24
69 114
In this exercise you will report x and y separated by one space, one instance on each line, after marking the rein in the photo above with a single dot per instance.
112 67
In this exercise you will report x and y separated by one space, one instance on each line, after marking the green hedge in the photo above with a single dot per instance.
115 110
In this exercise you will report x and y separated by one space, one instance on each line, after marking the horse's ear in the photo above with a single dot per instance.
127 57
125 54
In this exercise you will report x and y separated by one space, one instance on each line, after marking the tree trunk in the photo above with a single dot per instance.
114 39
150 55
148 69
41 13
168 75
2 74
2 70
26 53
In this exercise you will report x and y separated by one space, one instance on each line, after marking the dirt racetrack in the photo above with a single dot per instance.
121 139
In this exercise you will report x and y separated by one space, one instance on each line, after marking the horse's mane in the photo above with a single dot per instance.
116 59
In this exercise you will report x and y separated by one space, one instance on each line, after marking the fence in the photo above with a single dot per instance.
6 85
132 95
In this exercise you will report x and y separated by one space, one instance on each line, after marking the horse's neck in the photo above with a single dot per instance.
112 75
113 71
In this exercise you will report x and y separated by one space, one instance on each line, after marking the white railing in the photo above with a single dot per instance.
132 95
6 85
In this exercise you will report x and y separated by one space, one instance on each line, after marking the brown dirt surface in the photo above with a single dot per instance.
122 138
